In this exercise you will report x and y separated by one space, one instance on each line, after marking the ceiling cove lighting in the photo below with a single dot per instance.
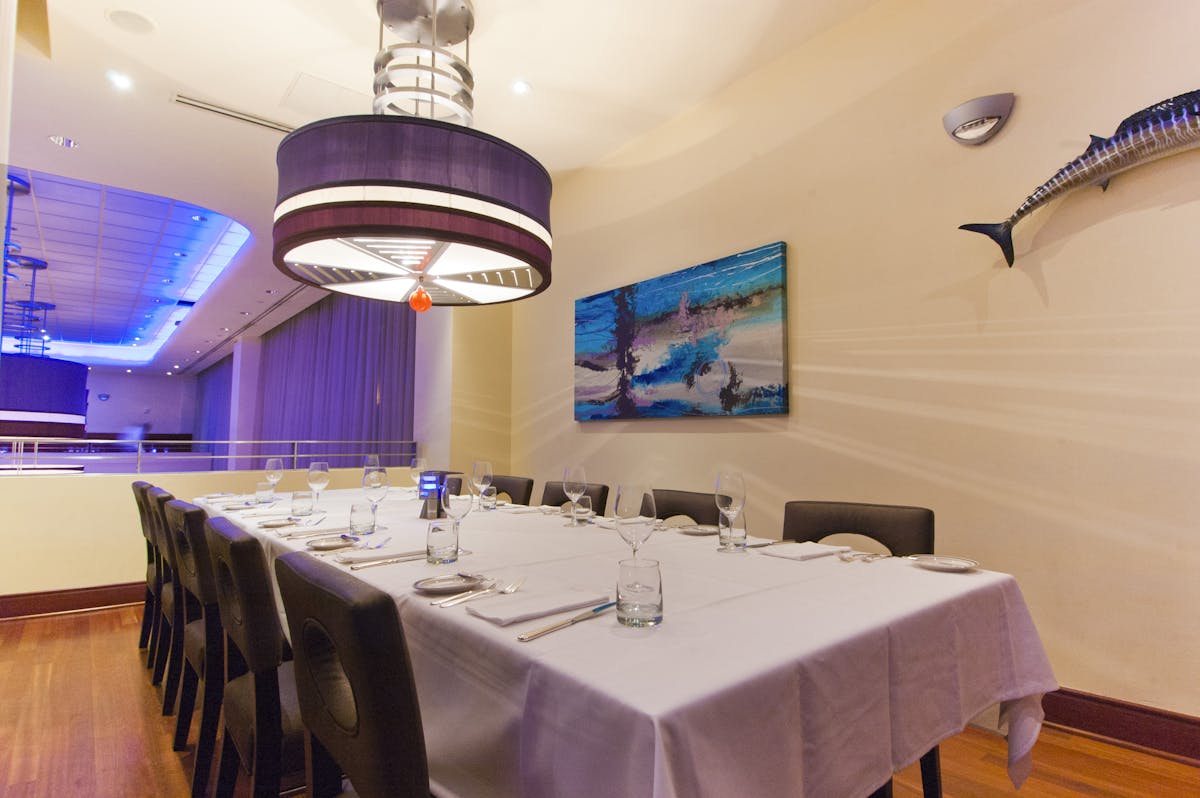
404 204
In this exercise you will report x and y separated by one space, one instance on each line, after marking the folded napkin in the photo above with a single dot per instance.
807 550
607 523
373 555
520 509
760 542
302 531
532 602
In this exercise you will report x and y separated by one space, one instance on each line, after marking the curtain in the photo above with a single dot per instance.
214 389
342 370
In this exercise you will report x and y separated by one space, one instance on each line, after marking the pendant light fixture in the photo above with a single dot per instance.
409 204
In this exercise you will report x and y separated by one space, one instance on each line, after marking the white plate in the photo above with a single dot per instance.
942 562
329 543
698 529
447 583
279 524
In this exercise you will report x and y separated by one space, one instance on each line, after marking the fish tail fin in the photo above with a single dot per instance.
1000 232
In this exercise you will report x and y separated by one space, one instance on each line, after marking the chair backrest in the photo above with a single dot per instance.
139 495
553 495
454 486
244 595
519 489
156 503
700 507
903 530
354 677
185 524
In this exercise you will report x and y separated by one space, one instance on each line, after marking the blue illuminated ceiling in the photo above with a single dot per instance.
124 267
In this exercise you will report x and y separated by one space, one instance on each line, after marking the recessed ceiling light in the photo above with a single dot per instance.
176 365
197 351
137 337
224 329
272 291
128 371
198 218
178 254
130 21
245 312
64 142
167 281
521 87
169 374
119 80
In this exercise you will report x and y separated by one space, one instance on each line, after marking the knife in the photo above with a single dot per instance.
403 558
461 597
554 627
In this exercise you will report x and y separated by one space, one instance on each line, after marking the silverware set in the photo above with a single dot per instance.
490 588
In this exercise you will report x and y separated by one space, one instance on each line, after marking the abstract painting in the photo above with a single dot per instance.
709 340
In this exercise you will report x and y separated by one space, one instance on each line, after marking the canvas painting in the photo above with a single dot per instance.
709 340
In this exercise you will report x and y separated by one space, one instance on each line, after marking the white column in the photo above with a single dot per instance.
432 376
8 46
243 398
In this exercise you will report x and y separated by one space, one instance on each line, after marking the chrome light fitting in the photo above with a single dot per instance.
978 120
408 203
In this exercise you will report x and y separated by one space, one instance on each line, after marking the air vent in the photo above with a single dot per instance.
185 303
202 105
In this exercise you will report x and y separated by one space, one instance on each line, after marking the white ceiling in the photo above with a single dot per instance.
602 73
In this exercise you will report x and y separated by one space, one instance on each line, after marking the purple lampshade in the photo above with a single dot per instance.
377 205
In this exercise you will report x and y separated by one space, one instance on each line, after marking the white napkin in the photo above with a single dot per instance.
532 602
760 542
371 555
807 550
607 523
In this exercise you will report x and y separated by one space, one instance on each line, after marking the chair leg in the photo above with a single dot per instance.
227 769
174 669
883 792
160 650
322 773
147 619
210 716
187 705
155 637
931 774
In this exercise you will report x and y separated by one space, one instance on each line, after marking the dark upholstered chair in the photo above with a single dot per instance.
156 500
518 489
700 507
355 683
903 531
553 496
203 637
263 731
150 607
454 485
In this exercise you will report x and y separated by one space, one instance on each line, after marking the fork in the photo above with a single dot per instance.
511 587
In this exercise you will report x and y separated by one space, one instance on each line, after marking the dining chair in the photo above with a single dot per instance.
903 531
203 638
153 577
701 508
454 485
175 614
554 496
156 499
263 731
355 682
518 489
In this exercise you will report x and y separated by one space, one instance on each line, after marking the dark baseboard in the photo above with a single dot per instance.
79 598
1146 727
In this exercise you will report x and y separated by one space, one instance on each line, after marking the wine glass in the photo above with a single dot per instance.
274 471
481 476
371 461
635 513
730 497
415 469
456 506
574 486
375 487
318 478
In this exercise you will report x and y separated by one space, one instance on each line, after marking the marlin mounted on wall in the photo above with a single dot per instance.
1166 128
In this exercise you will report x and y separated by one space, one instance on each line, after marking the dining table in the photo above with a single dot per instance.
768 676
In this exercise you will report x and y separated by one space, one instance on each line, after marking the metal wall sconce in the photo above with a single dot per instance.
976 121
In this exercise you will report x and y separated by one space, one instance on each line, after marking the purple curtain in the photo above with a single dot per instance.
214 389
342 370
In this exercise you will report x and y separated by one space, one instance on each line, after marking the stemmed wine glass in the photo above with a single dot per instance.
375 488
635 513
481 476
456 506
274 471
414 470
731 498
318 478
574 486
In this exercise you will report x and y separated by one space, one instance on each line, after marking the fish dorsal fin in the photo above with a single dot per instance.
1096 143
1188 101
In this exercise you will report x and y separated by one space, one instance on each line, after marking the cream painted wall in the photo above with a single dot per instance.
481 397
167 404
1048 412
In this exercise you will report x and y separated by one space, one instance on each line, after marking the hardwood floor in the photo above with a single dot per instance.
78 718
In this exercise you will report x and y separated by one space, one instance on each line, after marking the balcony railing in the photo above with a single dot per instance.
75 455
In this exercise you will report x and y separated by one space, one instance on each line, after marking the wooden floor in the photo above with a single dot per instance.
78 718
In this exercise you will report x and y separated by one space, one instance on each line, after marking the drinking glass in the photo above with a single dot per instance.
487 498
274 471
639 593
318 478
371 461
731 498
375 488
441 542
362 518
456 506
635 513
302 504
582 510
731 535
264 492
574 485
481 476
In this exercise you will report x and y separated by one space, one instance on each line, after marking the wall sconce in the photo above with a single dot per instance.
976 121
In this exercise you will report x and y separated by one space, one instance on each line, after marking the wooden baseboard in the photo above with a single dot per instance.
80 598
1145 727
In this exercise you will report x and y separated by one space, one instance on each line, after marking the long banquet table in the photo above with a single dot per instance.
768 677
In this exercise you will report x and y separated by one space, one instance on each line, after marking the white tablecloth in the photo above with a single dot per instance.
768 677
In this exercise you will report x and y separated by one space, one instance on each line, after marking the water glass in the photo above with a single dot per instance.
441 542
302 503
582 510
639 593
487 498
264 492
362 518
732 535
274 470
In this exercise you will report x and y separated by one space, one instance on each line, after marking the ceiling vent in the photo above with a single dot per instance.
232 113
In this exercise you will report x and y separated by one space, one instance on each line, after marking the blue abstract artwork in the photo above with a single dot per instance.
709 340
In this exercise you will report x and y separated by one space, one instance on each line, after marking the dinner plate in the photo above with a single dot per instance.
447 583
277 524
329 544
942 562
698 529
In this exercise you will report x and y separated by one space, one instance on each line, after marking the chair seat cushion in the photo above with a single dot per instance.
239 719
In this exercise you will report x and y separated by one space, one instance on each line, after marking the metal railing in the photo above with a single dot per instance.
115 455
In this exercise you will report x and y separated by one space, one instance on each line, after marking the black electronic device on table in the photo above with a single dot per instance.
429 490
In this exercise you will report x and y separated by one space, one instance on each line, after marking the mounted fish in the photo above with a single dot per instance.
1169 127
